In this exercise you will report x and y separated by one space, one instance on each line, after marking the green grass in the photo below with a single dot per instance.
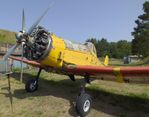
145 61
57 93
132 97
119 62
7 37
130 90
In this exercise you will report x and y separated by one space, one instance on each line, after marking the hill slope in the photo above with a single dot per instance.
7 37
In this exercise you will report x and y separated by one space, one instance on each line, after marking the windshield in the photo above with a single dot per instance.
87 47
91 47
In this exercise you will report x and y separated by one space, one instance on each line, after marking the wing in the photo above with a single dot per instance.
24 60
119 72
95 70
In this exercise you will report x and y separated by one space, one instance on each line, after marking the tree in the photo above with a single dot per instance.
113 49
93 40
102 48
141 33
123 48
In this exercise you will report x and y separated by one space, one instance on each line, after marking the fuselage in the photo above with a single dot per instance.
56 52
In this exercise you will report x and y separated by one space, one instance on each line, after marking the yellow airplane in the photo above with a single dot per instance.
54 54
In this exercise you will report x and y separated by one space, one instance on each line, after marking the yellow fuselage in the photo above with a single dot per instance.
60 55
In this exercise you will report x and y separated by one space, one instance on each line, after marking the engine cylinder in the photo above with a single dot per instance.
38 45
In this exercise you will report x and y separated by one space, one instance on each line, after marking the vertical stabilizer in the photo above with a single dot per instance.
106 61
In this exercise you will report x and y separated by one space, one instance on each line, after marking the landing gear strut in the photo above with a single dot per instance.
84 101
32 84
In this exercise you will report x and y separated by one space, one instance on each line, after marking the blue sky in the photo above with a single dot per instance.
75 20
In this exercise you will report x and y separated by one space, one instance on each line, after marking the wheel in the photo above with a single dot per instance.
31 85
83 104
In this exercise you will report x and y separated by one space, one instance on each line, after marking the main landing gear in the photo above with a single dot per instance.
32 84
83 102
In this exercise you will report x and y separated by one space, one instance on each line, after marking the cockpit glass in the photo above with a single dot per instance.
87 47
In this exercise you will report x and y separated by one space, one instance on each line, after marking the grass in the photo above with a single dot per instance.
119 62
57 94
124 89
7 37
145 61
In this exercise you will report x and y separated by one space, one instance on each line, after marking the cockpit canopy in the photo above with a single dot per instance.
86 47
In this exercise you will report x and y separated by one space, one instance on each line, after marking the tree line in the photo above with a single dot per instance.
113 49
140 43
138 46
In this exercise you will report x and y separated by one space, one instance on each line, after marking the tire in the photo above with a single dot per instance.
31 85
83 104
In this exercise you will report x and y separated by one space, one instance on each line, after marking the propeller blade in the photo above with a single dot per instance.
37 22
21 75
10 51
23 21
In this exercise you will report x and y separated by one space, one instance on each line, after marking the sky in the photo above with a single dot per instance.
75 20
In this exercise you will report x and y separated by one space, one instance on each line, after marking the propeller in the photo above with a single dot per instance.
37 22
22 44
22 38
21 75
10 51
23 21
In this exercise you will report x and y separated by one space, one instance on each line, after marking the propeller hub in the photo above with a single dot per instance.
19 36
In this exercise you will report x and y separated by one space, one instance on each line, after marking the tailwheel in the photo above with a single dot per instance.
31 85
83 104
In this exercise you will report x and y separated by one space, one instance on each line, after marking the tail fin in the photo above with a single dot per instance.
106 61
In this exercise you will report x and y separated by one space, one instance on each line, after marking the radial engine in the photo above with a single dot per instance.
38 45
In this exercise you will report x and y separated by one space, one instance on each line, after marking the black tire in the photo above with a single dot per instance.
31 85
83 104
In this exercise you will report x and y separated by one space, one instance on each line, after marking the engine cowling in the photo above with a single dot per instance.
38 45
